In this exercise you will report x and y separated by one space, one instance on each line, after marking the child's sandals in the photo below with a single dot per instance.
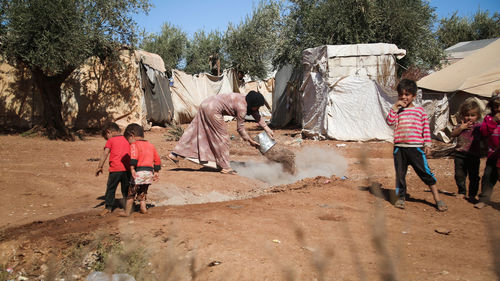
400 203
441 206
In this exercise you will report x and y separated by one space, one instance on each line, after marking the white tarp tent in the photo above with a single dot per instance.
476 75
342 97
188 91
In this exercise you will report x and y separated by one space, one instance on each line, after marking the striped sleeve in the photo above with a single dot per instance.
426 129
391 117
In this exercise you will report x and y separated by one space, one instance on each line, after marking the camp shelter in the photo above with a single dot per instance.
286 102
477 75
188 91
464 49
133 89
96 92
17 97
344 91
265 87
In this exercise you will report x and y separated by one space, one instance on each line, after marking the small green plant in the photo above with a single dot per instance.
174 132
4 274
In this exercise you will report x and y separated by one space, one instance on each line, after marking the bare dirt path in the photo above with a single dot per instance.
324 228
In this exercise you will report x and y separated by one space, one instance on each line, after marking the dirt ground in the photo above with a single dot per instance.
208 226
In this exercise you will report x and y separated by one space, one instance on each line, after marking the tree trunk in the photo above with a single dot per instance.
50 90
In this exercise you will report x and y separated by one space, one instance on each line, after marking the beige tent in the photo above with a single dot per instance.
93 94
463 49
478 74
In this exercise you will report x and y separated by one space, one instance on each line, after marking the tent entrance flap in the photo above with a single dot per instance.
157 96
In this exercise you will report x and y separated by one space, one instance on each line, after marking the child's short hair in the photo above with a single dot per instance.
468 105
111 127
407 85
134 129
494 101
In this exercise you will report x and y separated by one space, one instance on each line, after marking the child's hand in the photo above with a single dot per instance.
399 104
156 176
132 171
99 171
427 150
466 125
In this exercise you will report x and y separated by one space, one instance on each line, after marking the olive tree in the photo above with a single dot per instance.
251 45
170 44
201 48
406 23
53 38
457 29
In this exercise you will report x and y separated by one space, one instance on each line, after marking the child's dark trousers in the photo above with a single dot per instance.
415 157
489 179
467 165
115 178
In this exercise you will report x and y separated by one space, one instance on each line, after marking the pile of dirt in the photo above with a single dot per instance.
284 156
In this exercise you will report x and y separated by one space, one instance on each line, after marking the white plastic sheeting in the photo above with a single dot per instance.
341 98
353 109
188 91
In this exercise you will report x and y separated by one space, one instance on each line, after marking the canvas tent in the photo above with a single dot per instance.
286 98
464 49
477 75
188 91
344 95
94 93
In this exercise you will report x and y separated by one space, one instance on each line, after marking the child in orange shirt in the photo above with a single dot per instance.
145 165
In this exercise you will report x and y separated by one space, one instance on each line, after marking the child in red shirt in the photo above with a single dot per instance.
118 150
145 164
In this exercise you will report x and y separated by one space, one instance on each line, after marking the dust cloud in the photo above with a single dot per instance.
310 162
173 195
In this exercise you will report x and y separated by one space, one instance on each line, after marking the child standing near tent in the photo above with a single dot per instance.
145 165
490 129
118 150
468 148
411 134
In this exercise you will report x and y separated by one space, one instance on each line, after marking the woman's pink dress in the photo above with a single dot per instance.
206 138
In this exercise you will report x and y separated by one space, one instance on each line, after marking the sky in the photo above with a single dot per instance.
194 15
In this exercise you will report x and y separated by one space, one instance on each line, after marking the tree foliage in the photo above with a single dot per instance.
250 46
52 38
170 44
200 48
406 23
457 29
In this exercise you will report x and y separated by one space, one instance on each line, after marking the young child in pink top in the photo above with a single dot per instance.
490 129
468 148
411 134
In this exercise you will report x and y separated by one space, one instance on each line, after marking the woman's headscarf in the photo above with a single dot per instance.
254 99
